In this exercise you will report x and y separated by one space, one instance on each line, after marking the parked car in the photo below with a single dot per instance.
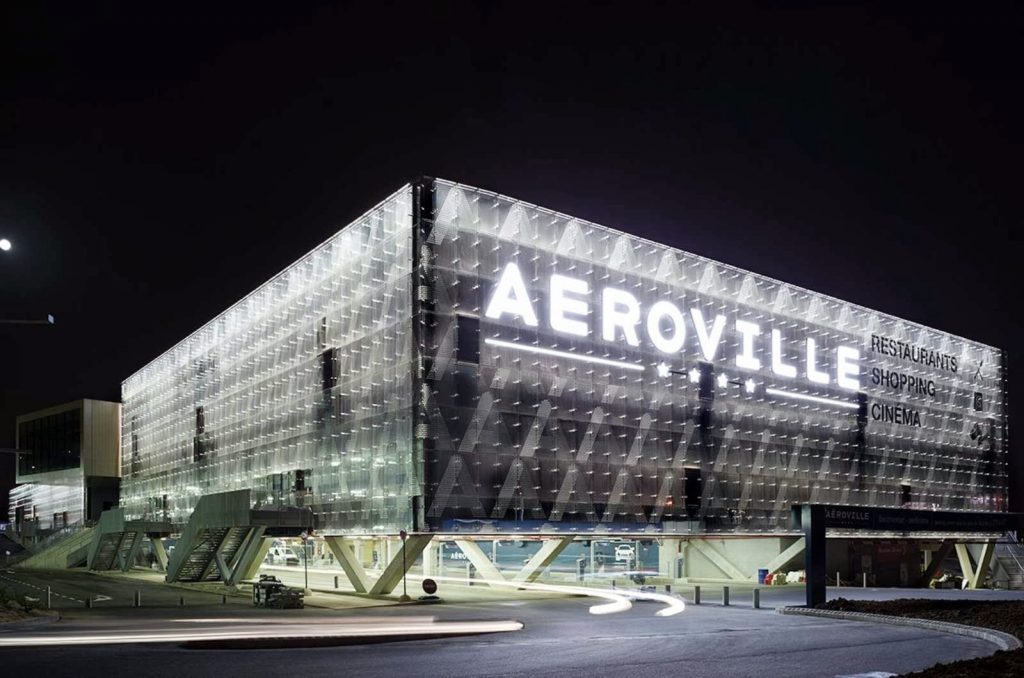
281 555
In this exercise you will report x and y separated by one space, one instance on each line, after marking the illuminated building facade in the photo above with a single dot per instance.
459 361
68 466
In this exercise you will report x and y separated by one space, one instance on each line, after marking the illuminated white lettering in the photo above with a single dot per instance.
659 311
510 297
619 309
745 358
708 341
778 366
813 373
561 305
848 368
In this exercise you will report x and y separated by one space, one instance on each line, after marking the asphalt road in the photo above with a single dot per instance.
559 637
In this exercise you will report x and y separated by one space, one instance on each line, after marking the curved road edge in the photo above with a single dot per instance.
28 623
1003 641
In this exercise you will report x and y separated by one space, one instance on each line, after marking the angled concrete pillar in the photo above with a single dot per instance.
720 561
344 553
480 560
549 550
160 552
392 575
129 561
669 557
259 552
935 561
430 558
974 575
788 554
251 549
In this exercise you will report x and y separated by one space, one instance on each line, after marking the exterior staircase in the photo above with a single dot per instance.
226 539
66 548
1009 562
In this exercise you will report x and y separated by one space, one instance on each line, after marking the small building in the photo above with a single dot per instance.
68 467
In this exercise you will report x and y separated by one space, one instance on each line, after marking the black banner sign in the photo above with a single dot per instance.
906 520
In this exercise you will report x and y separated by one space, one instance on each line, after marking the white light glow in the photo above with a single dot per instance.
510 296
562 354
674 342
848 368
561 305
708 340
663 370
778 366
745 358
694 375
619 309
5 244
723 380
750 385
810 398
813 373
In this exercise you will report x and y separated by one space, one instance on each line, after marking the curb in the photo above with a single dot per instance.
1004 641
28 623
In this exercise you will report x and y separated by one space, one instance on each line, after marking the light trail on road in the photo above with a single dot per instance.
354 628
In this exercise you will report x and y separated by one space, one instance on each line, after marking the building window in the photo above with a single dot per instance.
468 339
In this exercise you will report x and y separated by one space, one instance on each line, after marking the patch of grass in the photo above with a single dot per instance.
1005 616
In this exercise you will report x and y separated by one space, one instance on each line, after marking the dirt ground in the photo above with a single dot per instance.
1006 616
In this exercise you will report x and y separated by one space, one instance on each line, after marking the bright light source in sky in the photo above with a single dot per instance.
5 244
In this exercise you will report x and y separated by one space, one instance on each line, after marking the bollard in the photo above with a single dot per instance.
757 599
181 601
48 599
335 581
224 599
668 588
725 596
837 579
138 599
696 595
88 602
865 580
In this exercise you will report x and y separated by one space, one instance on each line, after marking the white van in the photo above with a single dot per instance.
281 555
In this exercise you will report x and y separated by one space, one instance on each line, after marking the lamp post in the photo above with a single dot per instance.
305 557
405 591
5 246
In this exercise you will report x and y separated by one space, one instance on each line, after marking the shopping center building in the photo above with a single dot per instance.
468 367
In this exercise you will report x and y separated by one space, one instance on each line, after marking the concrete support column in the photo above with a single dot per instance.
344 553
974 575
549 550
486 569
669 557
396 568
252 548
430 554
160 552
260 547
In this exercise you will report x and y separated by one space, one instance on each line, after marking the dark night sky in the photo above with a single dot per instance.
154 168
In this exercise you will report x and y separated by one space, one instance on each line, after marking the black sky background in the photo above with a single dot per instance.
156 164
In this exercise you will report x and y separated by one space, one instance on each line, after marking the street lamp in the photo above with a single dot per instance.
402 534
305 556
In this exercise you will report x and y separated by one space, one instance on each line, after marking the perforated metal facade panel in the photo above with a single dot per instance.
460 360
